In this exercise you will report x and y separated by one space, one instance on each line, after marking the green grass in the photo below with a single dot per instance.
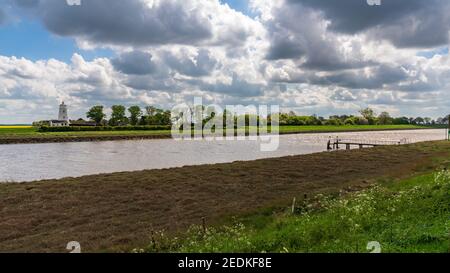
20 132
16 130
32 132
409 216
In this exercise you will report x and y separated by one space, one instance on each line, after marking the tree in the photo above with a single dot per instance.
210 114
385 118
342 118
419 121
363 121
96 114
292 114
401 121
151 110
369 115
352 121
156 116
166 118
149 118
283 118
197 114
334 122
135 114
228 117
118 116
446 119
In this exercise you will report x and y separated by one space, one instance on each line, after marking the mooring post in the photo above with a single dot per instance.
293 205
204 225
448 130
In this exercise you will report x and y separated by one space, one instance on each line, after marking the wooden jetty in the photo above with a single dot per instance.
336 143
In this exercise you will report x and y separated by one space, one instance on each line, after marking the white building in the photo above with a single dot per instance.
58 123
63 117
63 112
62 121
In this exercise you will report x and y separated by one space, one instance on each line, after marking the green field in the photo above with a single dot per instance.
26 131
409 216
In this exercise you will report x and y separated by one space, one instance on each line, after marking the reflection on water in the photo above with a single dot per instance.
57 160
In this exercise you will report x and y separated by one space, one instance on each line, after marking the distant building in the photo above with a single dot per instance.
63 112
82 123
59 123
62 121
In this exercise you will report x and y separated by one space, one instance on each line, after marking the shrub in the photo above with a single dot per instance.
363 121
335 122
350 121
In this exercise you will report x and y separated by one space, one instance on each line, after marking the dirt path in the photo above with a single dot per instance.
118 211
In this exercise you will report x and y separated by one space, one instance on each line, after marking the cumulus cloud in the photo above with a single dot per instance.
53 80
135 63
343 95
406 23
357 49
237 87
373 78
309 42
143 22
201 63
140 23
316 57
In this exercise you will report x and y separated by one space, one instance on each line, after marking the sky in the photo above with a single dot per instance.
319 57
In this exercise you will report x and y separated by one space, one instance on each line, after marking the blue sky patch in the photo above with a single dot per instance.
431 53
30 39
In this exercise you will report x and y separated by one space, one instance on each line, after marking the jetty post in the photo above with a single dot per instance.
448 130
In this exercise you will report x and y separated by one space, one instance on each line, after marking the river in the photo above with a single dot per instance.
30 162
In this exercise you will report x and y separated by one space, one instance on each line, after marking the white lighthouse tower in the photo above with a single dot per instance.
63 112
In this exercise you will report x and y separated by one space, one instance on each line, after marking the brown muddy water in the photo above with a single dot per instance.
31 162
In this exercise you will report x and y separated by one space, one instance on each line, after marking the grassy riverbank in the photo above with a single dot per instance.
24 134
121 211
410 216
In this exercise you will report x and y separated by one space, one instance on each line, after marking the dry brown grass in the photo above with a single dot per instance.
117 212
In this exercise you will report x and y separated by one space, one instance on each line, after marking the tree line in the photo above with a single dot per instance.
150 115
136 116
367 117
